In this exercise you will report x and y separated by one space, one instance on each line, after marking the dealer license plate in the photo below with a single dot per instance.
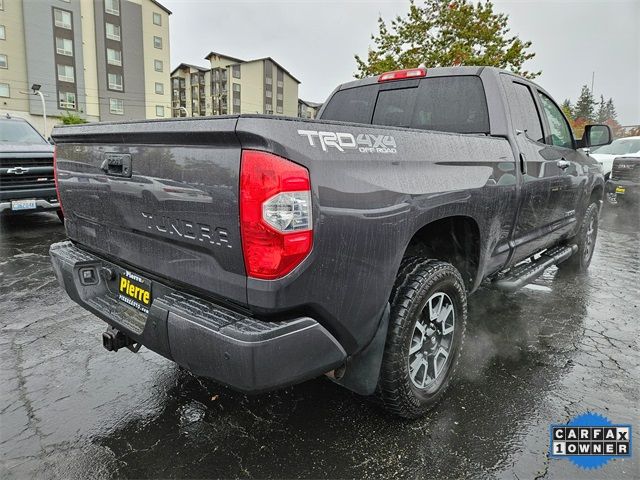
134 291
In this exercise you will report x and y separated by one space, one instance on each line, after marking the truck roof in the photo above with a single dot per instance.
431 72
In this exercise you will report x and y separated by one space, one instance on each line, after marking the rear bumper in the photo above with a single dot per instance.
631 189
232 348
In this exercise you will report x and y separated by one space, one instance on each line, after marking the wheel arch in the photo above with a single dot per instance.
456 239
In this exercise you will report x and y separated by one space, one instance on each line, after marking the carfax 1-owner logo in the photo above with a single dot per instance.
590 441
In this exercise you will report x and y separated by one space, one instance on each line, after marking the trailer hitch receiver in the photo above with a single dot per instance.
113 340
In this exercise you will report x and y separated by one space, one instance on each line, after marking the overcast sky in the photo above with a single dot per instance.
316 40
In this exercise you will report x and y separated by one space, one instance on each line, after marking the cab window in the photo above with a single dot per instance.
559 129
524 112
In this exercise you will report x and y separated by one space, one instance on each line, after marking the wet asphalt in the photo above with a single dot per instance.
560 347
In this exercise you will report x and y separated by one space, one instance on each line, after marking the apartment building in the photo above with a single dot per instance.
229 85
103 59
307 109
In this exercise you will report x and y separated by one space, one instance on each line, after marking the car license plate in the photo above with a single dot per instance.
620 190
23 204
134 291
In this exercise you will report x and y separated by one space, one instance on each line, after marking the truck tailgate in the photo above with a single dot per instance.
159 197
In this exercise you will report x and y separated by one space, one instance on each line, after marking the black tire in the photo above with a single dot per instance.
586 241
421 280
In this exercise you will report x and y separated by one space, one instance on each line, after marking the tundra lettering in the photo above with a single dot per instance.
187 229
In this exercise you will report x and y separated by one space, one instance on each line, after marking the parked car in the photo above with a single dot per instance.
620 147
26 169
343 246
624 185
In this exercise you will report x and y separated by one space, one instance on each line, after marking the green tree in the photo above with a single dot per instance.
441 33
601 115
611 110
585 105
567 109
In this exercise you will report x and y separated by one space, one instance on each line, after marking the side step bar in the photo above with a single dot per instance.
525 273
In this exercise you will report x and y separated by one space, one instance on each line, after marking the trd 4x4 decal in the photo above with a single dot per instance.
341 141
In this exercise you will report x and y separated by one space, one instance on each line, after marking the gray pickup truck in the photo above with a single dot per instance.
26 169
263 251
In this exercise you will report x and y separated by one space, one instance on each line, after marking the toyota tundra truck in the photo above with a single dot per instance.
264 251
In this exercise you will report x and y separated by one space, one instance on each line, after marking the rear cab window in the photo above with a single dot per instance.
449 104
524 111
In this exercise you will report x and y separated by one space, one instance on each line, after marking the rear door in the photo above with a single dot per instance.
159 197
540 174
574 171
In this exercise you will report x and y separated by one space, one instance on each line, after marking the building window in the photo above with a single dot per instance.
114 57
157 19
1 4
278 109
279 96
65 73
159 111
160 88
279 84
4 62
268 80
62 18
157 65
112 7
115 81
157 42
116 106
113 31
64 46
268 108
235 71
3 33
4 90
67 100
236 87
268 93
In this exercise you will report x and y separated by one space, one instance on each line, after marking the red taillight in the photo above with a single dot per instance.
403 74
275 214
55 176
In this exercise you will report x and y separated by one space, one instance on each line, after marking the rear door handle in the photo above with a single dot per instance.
563 164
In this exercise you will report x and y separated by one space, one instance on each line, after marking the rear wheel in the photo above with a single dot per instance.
425 336
586 241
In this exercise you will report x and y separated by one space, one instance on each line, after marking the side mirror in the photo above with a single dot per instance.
50 140
595 136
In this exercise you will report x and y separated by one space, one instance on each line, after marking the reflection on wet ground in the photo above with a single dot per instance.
553 350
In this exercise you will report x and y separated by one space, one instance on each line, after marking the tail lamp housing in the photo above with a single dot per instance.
276 222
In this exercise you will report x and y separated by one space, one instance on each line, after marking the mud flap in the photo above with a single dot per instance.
363 369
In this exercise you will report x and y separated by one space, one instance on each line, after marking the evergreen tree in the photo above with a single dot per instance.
567 109
440 33
585 105
601 116
611 110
